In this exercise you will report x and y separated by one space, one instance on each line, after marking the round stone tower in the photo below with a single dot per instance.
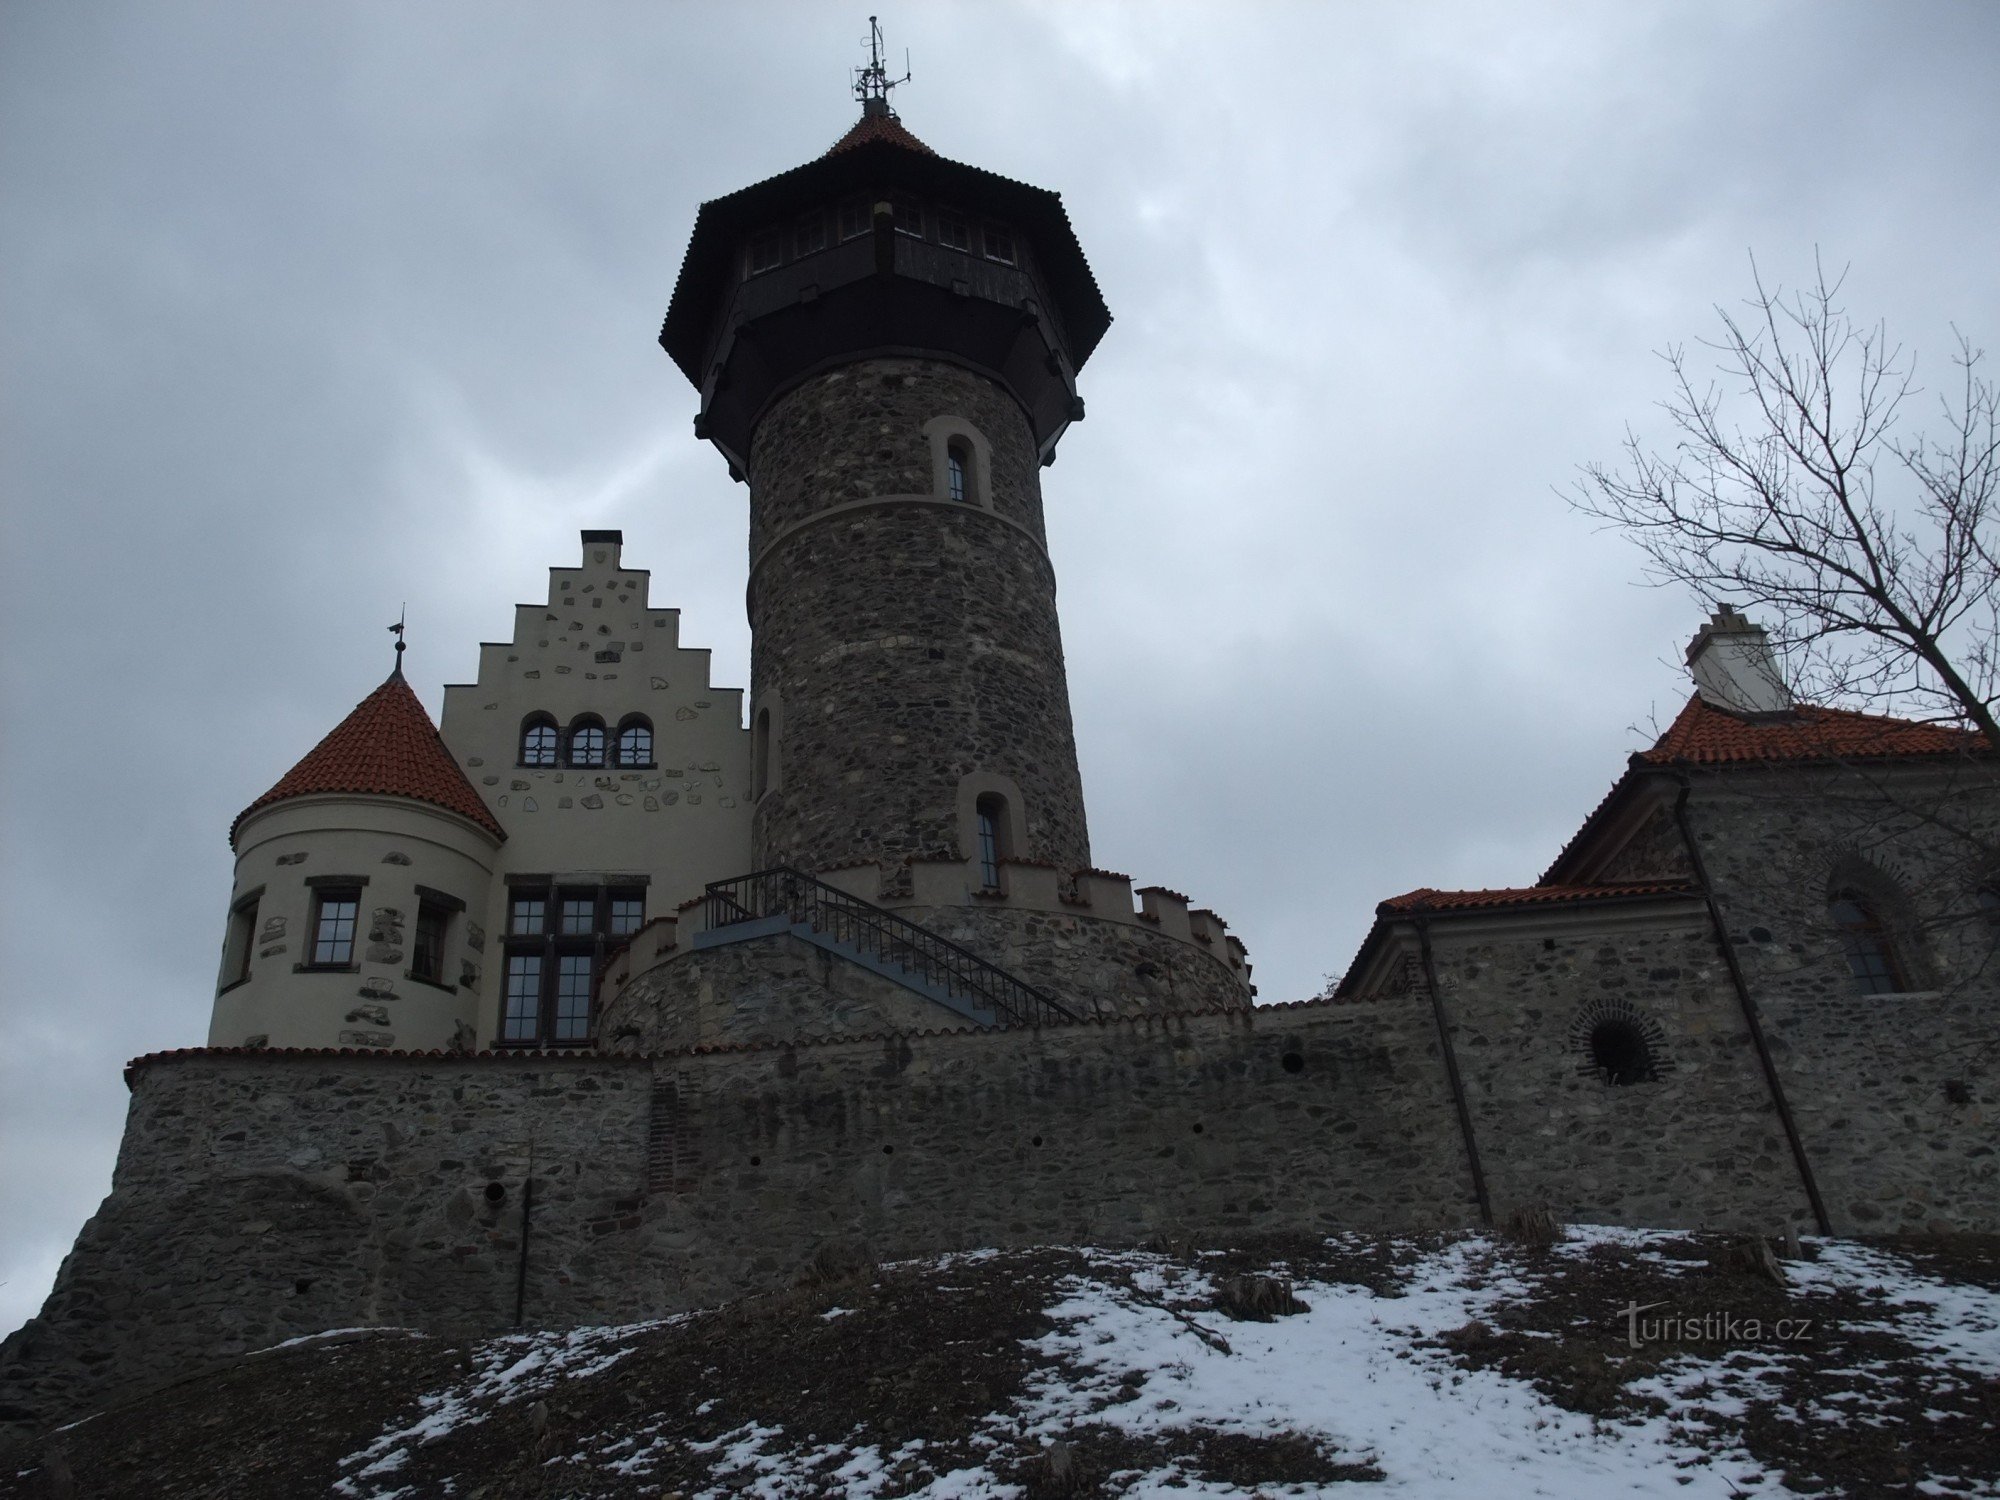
886 345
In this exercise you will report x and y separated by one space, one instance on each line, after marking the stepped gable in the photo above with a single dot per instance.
1706 735
387 747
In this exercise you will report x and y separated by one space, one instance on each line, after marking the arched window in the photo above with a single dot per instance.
957 464
760 755
1621 1053
635 741
586 743
991 813
538 741
1870 954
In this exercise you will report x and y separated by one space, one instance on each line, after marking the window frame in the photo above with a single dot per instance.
1874 963
239 944
631 724
554 949
333 893
853 219
535 725
1009 253
948 224
989 822
771 239
584 724
809 235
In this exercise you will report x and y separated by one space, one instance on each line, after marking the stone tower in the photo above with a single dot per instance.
886 345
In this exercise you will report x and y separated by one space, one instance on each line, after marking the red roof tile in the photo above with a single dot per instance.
878 128
1424 899
387 748
1705 735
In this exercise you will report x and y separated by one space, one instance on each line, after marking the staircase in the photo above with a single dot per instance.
778 901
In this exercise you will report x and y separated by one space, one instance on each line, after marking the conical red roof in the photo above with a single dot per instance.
387 747
883 127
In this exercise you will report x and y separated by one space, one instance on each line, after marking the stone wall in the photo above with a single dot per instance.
1701 1144
911 642
1897 1098
261 1196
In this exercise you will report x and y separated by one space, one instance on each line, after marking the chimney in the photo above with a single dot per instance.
601 548
1733 669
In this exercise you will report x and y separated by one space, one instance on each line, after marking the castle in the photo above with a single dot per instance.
593 1003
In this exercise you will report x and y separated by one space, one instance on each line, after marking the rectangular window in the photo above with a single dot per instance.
522 1021
1000 244
427 952
579 913
628 913
855 219
809 236
242 941
527 915
954 232
335 914
767 252
909 217
573 973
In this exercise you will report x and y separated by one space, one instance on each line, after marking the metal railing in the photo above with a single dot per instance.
883 936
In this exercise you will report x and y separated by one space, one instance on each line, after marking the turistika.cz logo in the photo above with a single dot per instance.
1708 1328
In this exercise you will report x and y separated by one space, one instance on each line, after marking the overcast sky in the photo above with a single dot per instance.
310 310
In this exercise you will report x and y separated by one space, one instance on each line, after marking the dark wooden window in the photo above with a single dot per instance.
954 232
909 217
242 941
991 813
557 941
1000 244
586 744
635 742
538 741
809 235
856 217
1871 957
767 252
954 470
336 913
427 951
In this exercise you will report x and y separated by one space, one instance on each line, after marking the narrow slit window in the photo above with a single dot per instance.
242 942
954 471
991 813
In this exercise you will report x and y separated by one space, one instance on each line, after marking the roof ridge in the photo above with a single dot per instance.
388 747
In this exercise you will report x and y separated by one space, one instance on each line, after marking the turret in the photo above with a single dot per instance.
886 346
348 920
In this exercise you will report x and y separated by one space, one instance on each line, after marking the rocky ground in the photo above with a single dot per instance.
1609 1363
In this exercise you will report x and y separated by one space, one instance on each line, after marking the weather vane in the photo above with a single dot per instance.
872 83
397 631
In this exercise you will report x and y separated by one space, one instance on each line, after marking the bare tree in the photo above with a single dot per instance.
1793 491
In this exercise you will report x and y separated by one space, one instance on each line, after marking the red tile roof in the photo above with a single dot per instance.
1424 899
1704 735
387 747
878 128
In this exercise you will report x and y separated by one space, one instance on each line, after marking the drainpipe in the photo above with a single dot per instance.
1750 1016
1451 1071
527 1212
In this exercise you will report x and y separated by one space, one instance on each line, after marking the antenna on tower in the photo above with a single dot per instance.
397 631
872 83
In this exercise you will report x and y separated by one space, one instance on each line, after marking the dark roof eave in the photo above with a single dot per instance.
723 222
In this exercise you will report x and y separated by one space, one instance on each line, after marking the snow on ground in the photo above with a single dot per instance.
1138 1347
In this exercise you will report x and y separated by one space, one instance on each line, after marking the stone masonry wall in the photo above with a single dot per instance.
1898 1100
777 988
1893 1093
1701 1144
261 1196
911 642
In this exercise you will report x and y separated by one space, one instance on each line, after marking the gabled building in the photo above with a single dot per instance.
1763 865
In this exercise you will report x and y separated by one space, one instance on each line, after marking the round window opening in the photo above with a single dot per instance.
495 1192
1620 1051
